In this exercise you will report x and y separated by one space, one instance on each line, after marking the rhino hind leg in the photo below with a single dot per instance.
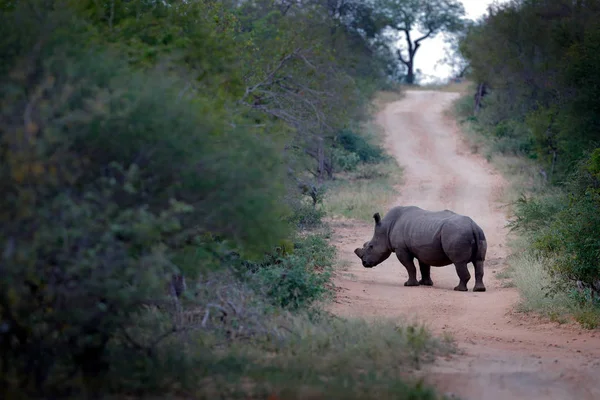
408 261
479 286
464 275
425 274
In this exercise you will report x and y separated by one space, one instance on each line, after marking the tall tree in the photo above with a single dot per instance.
427 17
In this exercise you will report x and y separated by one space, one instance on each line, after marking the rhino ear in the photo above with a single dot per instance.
377 218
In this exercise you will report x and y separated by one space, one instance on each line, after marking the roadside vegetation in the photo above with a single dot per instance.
368 176
534 65
163 170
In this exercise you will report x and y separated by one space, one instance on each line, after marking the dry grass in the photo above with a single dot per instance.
370 189
464 86
530 276
522 175
385 97
528 272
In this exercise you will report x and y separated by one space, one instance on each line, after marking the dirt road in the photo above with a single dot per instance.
505 355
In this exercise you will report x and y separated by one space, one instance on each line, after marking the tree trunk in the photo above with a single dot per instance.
553 164
478 96
410 75
321 160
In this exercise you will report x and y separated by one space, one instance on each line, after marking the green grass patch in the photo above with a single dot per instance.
506 273
587 317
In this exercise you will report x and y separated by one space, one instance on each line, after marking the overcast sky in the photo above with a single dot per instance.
432 50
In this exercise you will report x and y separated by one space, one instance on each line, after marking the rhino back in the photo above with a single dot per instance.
435 237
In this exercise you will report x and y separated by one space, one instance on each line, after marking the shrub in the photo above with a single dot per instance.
306 216
565 228
105 174
573 233
562 227
344 160
355 143
464 108
296 281
531 215
512 137
291 284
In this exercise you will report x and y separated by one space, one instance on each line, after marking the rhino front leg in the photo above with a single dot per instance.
425 274
464 275
408 261
479 286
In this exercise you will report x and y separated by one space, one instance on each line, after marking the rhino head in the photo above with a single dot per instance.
376 250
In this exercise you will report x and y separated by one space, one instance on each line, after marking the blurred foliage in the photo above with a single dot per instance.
106 173
144 139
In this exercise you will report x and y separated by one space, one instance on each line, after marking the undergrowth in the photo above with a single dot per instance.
371 184
551 264
232 344
361 193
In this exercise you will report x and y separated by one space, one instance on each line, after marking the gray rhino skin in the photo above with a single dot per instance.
435 238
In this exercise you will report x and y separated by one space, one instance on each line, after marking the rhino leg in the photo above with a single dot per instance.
408 261
425 274
464 275
479 286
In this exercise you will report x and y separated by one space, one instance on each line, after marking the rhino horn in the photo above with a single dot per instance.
377 218
359 252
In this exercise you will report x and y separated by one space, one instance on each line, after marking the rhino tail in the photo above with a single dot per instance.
480 243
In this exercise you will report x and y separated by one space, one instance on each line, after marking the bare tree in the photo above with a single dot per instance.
288 91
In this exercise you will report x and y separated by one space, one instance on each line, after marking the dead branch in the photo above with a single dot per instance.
269 78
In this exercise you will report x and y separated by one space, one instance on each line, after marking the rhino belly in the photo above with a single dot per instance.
431 254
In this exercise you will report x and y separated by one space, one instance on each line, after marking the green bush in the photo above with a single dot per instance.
307 216
512 146
563 227
355 143
533 214
296 281
573 234
105 173
291 284
344 160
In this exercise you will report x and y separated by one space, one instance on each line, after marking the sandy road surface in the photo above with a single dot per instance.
505 355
